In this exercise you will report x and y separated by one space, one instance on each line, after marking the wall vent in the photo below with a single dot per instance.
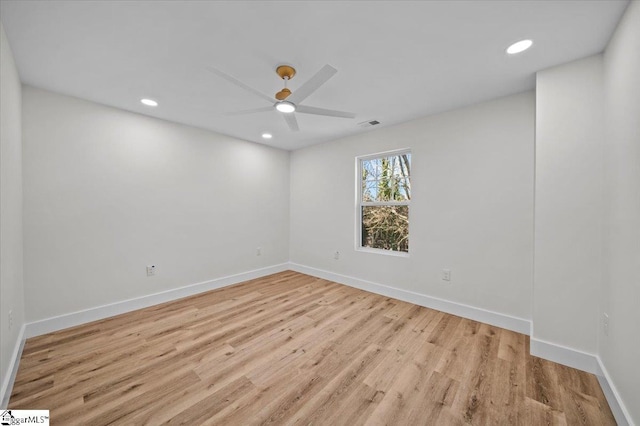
368 123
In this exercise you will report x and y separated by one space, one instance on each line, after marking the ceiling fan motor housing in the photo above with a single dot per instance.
283 94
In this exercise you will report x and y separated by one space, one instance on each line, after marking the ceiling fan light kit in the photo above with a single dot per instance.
286 107
288 102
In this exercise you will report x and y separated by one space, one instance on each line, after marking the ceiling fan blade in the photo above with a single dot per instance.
312 84
321 111
250 111
241 84
291 122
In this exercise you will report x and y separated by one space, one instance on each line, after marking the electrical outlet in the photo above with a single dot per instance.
605 323
446 275
10 320
336 255
151 270
259 251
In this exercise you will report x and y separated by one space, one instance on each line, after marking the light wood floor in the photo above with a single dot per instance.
293 349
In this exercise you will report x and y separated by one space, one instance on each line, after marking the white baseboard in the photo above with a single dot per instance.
563 355
590 363
618 408
519 325
12 371
100 312
571 357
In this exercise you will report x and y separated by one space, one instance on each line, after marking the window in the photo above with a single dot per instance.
384 195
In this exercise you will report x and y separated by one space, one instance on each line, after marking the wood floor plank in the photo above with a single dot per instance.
294 349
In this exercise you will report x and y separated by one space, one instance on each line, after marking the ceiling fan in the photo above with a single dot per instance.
288 102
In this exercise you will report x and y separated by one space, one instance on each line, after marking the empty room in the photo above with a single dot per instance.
320 212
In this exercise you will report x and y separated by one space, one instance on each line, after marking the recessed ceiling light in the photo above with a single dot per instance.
286 107
149 102
267 135
518 47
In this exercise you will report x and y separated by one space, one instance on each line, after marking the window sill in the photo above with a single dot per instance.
383 252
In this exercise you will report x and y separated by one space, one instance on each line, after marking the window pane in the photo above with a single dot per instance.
394 189
386 178
386 227
385 181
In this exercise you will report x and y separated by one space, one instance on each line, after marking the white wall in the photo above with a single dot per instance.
107 192
11 282
569 205
471 211
587 234
620 350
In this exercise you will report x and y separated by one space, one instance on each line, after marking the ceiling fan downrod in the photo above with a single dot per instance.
286 73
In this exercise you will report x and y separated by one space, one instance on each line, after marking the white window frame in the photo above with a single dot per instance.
360 204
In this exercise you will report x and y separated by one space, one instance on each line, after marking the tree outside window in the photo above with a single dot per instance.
384 198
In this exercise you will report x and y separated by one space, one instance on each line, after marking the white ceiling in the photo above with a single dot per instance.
396 60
